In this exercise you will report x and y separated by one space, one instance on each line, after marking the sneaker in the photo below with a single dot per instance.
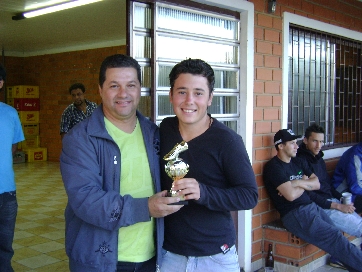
336 263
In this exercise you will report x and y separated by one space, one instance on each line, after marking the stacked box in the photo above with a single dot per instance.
29 142
36 154
26 104
31 129
23 91
25 99
29 117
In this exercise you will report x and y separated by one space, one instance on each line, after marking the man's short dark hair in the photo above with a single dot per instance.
194 67
313 128
76 86
2 72
118 61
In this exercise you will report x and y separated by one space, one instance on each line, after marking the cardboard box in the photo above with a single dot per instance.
31 129
29 142
19 157
23 91
27 117
26 104
36 154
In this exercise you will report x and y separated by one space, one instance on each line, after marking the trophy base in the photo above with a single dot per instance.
181 202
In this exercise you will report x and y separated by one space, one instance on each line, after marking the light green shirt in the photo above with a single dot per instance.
136 243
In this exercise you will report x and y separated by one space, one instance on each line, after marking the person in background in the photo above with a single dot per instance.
288 179
347 176
79 110
11 133
111 173
201 236
343 216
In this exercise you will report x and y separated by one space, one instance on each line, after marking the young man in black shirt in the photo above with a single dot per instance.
287 180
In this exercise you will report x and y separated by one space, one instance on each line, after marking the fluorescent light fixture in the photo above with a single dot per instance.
46 10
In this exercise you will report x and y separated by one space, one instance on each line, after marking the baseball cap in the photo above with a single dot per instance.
285 135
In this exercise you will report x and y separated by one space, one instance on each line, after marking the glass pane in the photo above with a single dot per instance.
163 73
146 74
226 79
201 24
142 16
224 105
145 106
185 48
164 105
142 46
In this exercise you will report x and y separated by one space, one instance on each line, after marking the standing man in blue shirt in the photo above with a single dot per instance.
11 133
79 110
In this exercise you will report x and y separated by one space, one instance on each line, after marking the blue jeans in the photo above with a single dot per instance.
350 223
227 262
313 225
8 211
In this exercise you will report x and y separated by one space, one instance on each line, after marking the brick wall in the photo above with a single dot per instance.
54 74
268 87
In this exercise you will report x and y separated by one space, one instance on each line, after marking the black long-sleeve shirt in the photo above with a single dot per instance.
317 163
219 162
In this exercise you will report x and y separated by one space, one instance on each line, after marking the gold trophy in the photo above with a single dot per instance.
176 168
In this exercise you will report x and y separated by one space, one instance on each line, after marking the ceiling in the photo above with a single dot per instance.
99 24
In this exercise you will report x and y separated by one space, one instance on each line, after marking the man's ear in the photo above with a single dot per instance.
170 95
305 140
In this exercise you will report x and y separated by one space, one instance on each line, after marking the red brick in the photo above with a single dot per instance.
255 221
264 101
288 251
257 141
276 235
257 168
268 140
271 114
277 23
257 234
324 12
263 47
263 127
272 87
272 61
264 74
258 33
264 20
262 154
277 101
272 35
258 114
258 87
258 60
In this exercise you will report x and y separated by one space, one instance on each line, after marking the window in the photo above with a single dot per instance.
181 33
324 84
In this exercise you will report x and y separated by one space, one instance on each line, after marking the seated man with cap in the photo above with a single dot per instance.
287 180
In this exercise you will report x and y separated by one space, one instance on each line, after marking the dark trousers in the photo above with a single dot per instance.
8 211
147 266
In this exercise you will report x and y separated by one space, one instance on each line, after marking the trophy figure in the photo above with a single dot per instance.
176 168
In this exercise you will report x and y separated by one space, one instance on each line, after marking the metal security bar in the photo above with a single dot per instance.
324 85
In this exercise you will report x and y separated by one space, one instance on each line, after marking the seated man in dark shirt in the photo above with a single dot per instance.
287 180
342 215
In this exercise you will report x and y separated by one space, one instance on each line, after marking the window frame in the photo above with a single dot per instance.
288 19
